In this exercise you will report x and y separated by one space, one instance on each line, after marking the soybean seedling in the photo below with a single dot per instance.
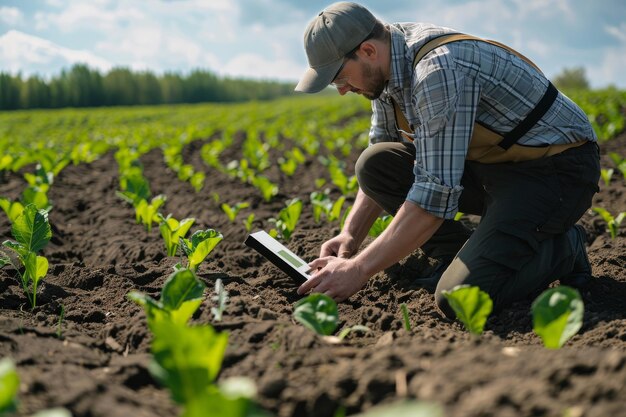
221 298
557 315
199 246
317 312
612 223
232 211
9 386
249 222
32 233
606 175
172 230
146 213
287 219
471 305
405 317
380 224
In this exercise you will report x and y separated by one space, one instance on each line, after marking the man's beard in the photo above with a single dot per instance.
375 82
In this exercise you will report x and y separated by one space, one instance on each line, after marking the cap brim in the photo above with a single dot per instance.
315 80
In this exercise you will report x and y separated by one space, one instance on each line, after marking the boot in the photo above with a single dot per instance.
580 276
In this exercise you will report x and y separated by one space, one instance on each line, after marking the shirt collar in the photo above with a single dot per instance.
399 53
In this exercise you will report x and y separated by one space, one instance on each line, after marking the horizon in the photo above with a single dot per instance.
262 39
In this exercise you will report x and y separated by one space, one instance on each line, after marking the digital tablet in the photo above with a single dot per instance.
279 255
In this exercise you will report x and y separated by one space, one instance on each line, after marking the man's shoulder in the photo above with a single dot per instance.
417 33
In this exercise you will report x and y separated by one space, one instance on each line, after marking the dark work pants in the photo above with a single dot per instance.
526 208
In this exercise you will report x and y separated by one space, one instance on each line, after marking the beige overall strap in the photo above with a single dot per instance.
444 39
401 120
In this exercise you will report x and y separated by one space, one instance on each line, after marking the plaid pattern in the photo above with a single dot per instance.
452 87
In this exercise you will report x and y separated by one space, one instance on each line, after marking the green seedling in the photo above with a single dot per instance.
134 186
32 233
268 189
606 175
317 312
146 213
288 219
210 153
199 246
249 222
221 299
181 296
612 223
186 359
557 315
619 162
9 386
172 231
232 211
37 195
458 216
335 210
405 317
13 209
471 305
232 398
347 185
380 224
321 203
197 180
356 328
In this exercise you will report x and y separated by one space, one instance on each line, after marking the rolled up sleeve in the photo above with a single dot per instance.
445 102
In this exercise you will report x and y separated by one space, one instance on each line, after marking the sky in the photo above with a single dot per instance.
263 39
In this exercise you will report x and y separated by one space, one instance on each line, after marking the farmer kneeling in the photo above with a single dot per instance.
459 124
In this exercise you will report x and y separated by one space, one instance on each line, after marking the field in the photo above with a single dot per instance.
94 358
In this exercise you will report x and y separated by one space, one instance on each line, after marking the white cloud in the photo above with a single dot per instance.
618 32
31 54
87 15
610 69
261 67
11 16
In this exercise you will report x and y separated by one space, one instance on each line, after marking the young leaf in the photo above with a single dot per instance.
172 230
221 298
180 287
187 359
200 245
181 296
317 312
380 224
32 229
248 222
13 209
405 317
557 315
471 305
9 386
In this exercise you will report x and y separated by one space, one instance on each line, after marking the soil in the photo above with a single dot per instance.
95 360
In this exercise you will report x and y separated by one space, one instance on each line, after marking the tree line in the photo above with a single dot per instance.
81 86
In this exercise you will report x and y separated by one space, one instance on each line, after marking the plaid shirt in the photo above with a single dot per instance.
452 87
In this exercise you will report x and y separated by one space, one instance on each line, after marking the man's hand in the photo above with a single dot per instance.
343 246
338 278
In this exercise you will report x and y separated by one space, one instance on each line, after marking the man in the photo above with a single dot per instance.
458 124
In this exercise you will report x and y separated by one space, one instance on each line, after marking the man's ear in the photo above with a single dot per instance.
368 50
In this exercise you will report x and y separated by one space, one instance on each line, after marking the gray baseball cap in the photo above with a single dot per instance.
333 33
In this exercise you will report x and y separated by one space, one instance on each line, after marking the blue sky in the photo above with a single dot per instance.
263 38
